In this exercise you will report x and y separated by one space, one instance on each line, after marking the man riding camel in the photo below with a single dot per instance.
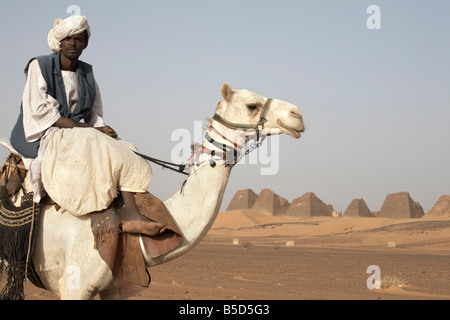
69 151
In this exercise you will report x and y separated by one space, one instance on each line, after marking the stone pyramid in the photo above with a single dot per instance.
441 208
400 206
308 205
243 199
358 208
271 204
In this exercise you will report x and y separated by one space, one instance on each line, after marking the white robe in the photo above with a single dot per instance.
40 112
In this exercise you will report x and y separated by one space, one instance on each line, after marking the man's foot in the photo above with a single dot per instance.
135 222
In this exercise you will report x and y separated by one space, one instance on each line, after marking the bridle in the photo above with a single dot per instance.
258 127
226 149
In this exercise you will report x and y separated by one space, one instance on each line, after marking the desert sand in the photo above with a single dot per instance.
251 256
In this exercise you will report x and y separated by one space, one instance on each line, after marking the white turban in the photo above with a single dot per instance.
66 28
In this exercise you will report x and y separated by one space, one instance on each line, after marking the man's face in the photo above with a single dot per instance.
72 47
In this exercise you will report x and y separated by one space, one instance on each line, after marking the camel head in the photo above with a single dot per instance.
242 110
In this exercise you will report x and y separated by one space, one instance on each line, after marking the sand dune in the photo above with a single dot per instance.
236 219
250 219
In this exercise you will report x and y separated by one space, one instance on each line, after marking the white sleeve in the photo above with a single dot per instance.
40 110
95 117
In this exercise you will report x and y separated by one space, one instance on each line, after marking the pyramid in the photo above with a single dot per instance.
243 199
358 208
441 208
271 204
400 206
331 208
309 205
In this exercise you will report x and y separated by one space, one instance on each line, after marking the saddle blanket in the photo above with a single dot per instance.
122 251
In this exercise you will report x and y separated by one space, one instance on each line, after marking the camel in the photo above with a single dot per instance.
65 241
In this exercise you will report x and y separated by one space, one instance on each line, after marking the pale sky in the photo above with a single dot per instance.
376 102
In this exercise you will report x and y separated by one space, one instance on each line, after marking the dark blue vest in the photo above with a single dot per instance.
51 71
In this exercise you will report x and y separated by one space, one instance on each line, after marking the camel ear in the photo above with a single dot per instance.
227 92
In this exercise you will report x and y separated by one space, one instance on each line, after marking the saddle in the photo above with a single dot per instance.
123 252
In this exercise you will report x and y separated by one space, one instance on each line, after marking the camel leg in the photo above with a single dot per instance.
84 283
68 291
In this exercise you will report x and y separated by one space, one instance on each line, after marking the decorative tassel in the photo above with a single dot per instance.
18 227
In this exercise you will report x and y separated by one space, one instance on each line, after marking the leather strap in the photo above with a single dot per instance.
261 122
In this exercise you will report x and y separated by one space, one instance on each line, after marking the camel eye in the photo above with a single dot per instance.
252 107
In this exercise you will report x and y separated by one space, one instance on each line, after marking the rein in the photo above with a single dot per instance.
165 164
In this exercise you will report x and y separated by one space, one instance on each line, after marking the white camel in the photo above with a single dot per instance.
65 241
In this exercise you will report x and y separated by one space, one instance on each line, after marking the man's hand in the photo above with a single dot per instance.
108 130
64 122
